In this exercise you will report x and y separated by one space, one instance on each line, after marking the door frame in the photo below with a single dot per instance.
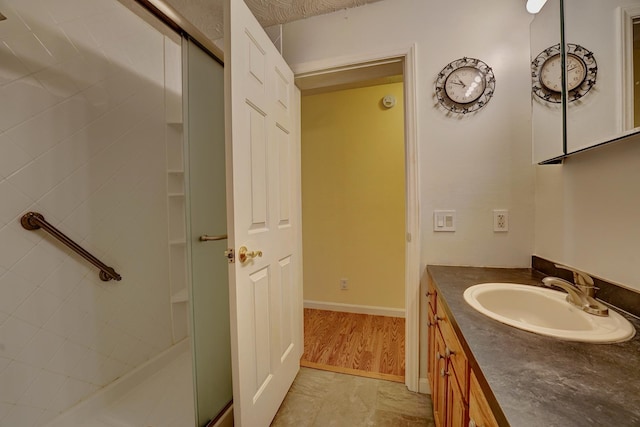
406 53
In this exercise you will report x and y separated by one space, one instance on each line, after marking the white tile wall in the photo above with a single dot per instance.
82 140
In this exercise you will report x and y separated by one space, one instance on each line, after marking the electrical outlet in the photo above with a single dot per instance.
344 284
500 220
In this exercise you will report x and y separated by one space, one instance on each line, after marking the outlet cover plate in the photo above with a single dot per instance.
500 220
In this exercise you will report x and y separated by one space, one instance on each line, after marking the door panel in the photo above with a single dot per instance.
287 317
284 177
260 283
258 168
263 146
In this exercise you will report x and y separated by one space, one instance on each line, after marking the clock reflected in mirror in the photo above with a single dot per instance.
465 85
546 73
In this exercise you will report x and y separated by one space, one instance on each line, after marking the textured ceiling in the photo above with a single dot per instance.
272 12
206 15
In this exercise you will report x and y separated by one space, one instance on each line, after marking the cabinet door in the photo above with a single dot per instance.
432 372
456 407
431 295
453 350
546 117
480 414
439 392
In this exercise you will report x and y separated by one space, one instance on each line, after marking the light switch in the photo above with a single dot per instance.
444 220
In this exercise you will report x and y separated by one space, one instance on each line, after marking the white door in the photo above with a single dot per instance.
262 133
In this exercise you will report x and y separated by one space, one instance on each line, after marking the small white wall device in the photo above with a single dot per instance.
389 101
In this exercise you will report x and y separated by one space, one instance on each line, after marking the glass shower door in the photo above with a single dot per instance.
206 216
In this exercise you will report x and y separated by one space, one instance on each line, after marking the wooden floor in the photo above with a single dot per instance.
357 344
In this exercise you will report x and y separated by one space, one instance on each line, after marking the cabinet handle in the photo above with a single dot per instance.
472 423
429 293
444 373
448 352
438 318
438 356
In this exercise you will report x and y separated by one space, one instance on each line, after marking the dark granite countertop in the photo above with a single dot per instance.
535 380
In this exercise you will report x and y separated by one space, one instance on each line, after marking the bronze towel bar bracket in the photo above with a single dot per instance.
35 220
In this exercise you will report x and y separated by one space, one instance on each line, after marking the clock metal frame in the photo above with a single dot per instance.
472 106
582 54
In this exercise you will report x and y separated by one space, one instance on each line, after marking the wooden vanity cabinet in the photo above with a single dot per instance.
453 392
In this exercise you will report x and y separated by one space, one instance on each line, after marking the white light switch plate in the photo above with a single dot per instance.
444 220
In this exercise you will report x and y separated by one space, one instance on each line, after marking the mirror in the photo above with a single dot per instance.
600 105
546 115
604 27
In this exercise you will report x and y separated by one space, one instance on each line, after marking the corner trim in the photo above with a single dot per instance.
423 386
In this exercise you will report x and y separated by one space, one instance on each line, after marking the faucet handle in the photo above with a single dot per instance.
580 278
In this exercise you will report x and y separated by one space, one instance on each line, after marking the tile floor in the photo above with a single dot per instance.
322 399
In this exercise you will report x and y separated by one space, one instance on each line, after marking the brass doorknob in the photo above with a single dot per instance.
245 255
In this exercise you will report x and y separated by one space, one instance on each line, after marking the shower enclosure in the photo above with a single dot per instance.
111 127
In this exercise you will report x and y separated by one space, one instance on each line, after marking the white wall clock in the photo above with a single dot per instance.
546 73
465 85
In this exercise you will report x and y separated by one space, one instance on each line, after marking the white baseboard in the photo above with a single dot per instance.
423 386
353 308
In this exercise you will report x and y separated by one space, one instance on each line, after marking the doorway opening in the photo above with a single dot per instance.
360 216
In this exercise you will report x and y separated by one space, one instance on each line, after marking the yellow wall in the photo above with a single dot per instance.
353 213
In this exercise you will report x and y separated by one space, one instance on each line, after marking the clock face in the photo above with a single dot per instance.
551 75
576 72
465 85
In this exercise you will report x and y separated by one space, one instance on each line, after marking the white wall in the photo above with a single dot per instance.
588 211
82 140
472 164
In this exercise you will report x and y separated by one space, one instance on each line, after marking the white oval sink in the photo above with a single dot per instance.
546 312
